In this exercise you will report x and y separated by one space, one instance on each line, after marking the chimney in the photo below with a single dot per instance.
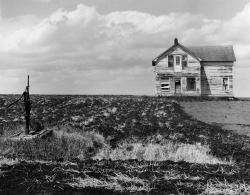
175 41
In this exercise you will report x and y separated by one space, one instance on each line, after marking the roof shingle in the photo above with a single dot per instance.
213 53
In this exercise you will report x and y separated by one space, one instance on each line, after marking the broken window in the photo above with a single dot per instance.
191 85
184 61
170 61
165 84
225 83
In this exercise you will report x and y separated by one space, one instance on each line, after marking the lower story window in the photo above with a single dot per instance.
191 84
165 85
225 84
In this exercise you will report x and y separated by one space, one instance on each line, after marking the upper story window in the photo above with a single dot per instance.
177 60
225 85
184 61
170 61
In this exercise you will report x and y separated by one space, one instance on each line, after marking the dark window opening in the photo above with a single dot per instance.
191 85
225 84
177 82
177 86
170 61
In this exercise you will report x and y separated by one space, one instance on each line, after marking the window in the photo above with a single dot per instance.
225 84
170 61
177 60
184 61
191 84
165 85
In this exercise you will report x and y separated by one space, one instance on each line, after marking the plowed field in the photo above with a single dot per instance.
152 128
231 115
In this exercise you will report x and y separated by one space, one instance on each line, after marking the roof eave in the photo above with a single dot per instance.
183 48
155 60
233 54
190 52
218 61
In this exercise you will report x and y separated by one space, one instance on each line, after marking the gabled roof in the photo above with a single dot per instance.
204 53
217 53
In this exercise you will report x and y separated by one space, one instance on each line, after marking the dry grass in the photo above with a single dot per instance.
215 187
119 182
90 138
174 175
62 146
169 150
6 161
9 130
67 143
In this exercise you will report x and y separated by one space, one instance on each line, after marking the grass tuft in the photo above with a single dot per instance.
216 187
119 182
62 146
193 153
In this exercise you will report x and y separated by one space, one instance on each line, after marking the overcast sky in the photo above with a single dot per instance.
106 46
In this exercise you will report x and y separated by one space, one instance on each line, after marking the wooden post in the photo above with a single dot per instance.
27 105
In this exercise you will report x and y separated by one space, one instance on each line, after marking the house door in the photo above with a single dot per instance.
177 86
177 63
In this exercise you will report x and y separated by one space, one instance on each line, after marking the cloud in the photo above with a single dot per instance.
86 49
43 1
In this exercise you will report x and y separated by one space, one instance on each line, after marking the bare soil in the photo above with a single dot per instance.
230 115
119 118
168 177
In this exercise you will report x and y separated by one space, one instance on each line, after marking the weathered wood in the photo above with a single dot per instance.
42 134
212 75
191 70
208 75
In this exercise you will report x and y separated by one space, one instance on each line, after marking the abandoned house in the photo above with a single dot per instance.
195 71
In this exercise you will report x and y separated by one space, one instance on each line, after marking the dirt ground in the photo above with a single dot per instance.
231 115
164 177
122 118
